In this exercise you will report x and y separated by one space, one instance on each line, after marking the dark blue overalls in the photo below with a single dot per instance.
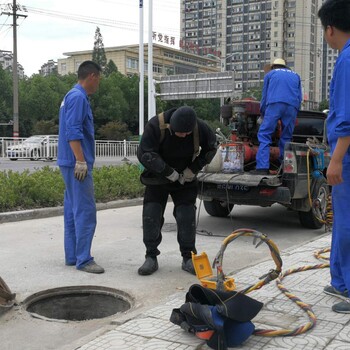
281 100
338 125
76 123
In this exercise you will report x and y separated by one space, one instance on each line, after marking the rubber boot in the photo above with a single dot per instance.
149 266
187 265
152 222
185 216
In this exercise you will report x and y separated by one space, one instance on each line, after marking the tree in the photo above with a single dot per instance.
110 68
253 93
108 103
98 54
206 109
5 99
323 105
40 99
45 127
114 131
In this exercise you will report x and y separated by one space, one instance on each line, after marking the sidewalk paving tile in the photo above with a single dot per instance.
160 329
344 334
337 345
115 340
300 342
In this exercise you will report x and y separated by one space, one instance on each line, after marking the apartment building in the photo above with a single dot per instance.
245 35
166 61
6 61
329 57
50 67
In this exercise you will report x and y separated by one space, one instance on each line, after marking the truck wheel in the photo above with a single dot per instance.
218 208
309 219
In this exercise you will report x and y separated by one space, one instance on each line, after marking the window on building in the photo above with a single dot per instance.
77 64
157 68
169 70
132 63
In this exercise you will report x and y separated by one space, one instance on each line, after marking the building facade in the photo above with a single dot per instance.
50 67
246 35
6 61
166 61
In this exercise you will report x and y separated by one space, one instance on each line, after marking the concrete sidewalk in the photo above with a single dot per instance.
31 260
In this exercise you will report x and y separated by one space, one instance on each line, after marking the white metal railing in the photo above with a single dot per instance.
116 148
15 148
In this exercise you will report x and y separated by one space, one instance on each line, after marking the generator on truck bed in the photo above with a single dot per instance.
299 183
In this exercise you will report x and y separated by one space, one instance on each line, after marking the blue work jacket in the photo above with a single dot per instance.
281 85
338 120
76 123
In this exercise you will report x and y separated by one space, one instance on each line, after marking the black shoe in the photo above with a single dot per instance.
330 290
149 266
260 172
92 267
187 265
343 307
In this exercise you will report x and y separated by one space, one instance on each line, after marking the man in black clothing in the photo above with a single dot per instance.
174 147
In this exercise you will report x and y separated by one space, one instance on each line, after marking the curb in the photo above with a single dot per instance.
41 213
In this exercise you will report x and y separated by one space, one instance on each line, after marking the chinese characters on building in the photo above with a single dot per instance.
163 38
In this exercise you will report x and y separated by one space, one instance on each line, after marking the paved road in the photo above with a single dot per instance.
31 260
22 164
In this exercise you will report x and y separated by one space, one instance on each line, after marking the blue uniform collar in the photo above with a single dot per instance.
347 44
80 88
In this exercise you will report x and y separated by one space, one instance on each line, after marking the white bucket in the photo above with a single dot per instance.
232 157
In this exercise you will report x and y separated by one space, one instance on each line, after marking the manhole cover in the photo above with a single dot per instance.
78 303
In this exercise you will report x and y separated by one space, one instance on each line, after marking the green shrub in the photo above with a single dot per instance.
121 182
45 187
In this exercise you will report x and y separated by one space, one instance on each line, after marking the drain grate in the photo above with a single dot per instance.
78 303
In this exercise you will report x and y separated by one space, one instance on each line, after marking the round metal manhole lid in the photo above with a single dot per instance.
78 303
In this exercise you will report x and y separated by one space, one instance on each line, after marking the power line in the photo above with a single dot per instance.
93 20
160 3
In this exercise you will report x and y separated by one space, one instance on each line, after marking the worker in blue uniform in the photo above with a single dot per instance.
281 98
76 156
334 15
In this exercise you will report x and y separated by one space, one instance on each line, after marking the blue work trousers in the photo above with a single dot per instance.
340 251
274 112
79 218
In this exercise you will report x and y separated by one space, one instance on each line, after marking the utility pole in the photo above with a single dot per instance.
14 15
151 86
141 72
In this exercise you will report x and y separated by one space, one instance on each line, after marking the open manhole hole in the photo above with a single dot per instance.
78 303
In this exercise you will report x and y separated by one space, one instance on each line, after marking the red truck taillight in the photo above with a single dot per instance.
289 163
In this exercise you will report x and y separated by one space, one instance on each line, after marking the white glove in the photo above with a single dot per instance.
181 179
173 176
188 175
80 170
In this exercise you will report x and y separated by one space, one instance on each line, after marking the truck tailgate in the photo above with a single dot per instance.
245 179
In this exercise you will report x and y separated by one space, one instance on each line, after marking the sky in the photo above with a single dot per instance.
53 27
